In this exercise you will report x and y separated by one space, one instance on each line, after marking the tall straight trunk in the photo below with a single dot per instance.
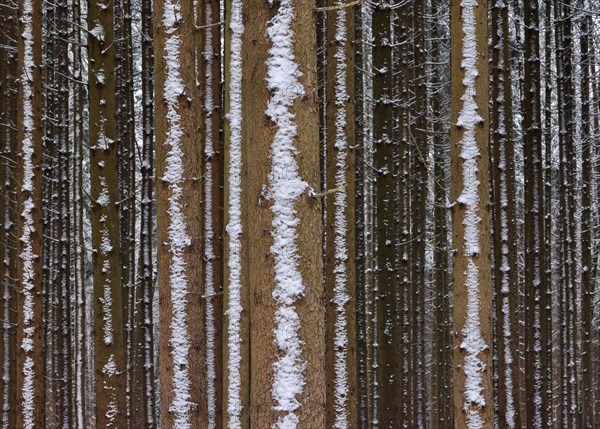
51 208
365 217
419 198
566 141
536 319
209 123
587 280
504 213
596 269
283 214
440 406
8 119
125 124
404 308
109 345
30 348
340 278
473 406
143 375
548 193
77 226
386 336
63 232
179 220
236 323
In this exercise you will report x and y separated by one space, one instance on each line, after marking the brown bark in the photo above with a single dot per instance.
109 345
340 279
387 384
30 350
258 138
471 253
179 220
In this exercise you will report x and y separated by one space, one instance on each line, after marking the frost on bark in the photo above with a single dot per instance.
30 353
179 218
109 345
566 245
209 124
536 313
440 392
473 406
236 358
340 222
280 213
503 212
587 280
8 255
143 327
386 323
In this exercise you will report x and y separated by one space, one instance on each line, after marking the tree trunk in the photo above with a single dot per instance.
342 411
179 220
109 345
473 406
30 347
536 313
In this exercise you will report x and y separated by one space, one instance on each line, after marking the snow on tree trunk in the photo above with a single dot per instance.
339 220
472 282
234 353
30 363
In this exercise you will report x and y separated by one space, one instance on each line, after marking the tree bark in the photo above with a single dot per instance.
109 344
473 406
30 348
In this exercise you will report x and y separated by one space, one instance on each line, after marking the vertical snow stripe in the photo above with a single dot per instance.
209 233
285 187
510 414
27 255
178 238
469 118
341 296
234 226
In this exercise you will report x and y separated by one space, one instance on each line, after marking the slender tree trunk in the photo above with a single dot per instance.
473 407
536 386
109 345
143 332
441 403
30 348
505 238
125 123
587 281
236 350
342 411
77 226
209 78
386 364
8 184
419 198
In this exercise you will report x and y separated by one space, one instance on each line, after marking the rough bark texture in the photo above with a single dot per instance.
30 368
180 273
464 255
340 220
536 314
109 345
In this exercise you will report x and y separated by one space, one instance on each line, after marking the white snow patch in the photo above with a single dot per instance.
178 238
285 187
469 118
209 233
27 255
234 226
341 296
